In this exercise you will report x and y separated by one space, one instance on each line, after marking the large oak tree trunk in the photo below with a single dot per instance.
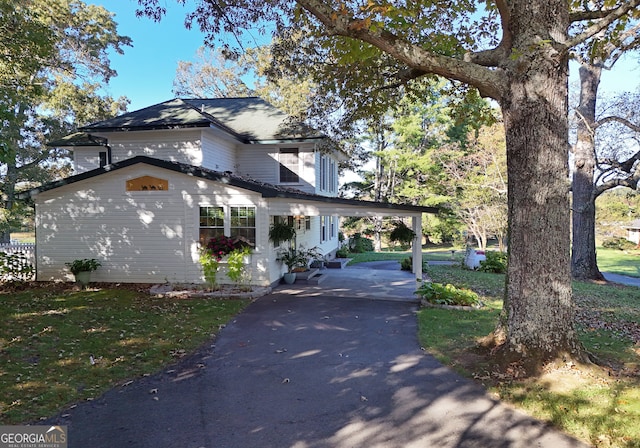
539 305
583 254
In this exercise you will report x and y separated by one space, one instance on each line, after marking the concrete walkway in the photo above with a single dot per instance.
309 370
375 280
622 279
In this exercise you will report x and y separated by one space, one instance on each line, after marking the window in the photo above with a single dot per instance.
327 174
333 226
240 221
323 173
103 158
323 228
289 165
211 223
332 175
243 223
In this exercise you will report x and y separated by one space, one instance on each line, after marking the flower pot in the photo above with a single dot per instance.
83 278
289 278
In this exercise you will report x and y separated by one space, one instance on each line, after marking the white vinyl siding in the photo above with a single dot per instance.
218 154
140 236
261 162
86 158
258 162
175 146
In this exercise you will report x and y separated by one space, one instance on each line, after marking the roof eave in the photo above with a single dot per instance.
266 191
144 128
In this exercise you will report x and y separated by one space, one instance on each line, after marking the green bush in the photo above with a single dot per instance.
440 294
343 252
359 244
402 234
407 264
495 262
15 267
618 243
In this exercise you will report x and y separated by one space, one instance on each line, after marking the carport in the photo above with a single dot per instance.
288 203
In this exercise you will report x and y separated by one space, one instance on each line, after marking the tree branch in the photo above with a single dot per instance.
602 23
488 82
629 182
581 16
614 119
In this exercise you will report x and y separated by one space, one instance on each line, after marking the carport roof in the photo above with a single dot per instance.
266 190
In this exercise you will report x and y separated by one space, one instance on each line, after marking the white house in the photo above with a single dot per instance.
151 186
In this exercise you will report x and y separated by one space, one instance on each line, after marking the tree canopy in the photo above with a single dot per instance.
55 61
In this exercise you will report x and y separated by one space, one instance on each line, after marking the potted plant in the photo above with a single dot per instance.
82 268
291 258
281 231
297 259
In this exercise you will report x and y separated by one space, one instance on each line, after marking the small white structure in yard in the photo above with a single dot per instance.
155 185
633 231
473 258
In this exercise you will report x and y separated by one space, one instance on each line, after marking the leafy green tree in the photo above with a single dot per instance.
51 74
219 73
515 52
477 177
616 208
214 74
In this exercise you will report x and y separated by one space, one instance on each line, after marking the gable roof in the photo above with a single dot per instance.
266 190
635 224
249 119
78 139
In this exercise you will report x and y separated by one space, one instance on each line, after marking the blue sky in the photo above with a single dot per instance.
146 70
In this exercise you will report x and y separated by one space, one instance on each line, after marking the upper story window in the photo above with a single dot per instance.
289 165
328 171
147 183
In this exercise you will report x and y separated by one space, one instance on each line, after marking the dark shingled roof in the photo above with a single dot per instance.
265 189
248 119
78 139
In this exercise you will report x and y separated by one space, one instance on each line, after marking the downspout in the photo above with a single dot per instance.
108 153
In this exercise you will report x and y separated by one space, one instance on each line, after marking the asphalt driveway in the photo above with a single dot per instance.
307 372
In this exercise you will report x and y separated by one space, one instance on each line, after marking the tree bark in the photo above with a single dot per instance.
538 304
584 265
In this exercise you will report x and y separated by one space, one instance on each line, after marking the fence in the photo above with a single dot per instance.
17 261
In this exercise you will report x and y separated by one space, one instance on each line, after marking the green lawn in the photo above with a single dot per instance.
609 260
431 254
602 410
59 346
619 262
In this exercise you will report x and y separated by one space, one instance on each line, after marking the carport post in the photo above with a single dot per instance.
416 246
